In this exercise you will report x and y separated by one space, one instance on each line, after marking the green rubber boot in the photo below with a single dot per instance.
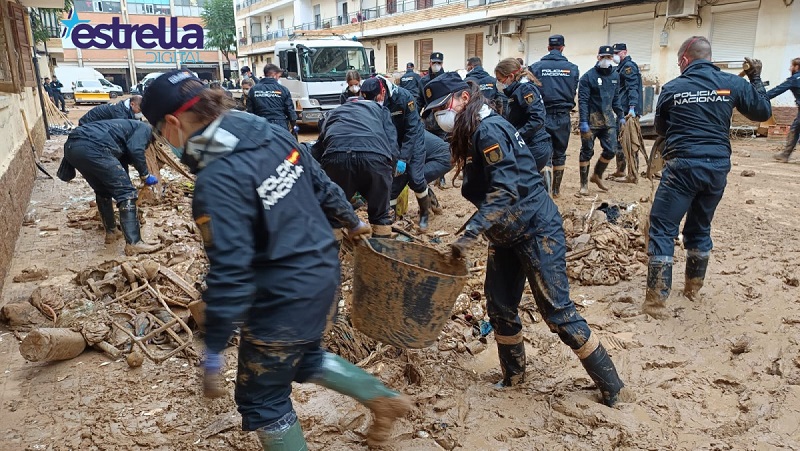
285 434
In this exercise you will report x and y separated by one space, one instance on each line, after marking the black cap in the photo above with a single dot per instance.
556 40
409 65
370 88
619 47
437 57
605 50
244 70
164 95
439 90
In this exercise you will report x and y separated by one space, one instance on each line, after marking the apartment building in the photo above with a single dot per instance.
399 31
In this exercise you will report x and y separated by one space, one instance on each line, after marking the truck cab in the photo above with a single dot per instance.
314 70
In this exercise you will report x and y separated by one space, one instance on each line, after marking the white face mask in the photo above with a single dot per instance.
245 91
616 59
446 119
354 88
379 102
436 67
604 63
138 116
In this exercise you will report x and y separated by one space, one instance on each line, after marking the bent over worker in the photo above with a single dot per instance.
127 109
268 271
694 116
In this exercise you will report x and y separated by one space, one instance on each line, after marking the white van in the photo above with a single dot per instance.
68 75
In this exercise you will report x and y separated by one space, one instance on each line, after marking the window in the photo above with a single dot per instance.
733 34
537 46
188 7
474 45
391 6
106 6
6 76
422 4
280 24
391 57
19 21
317 16
159 7
637 35
422 52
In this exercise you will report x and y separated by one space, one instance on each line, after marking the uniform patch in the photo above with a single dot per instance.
428 93
493 154
293 157
204 225
628 70
723 92
529 98
412 106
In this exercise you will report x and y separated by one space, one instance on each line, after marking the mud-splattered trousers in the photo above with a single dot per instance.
692 187
367 173
107 176
559 126
608 142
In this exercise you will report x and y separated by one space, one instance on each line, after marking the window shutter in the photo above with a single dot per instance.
24 56
474 45
733 34
638 36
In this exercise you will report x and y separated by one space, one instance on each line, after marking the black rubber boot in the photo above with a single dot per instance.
696 266
584 180
512 363
604 374
129 221
547 177
597 176
424 211
621 165
106 208
558 175
436 207
659 285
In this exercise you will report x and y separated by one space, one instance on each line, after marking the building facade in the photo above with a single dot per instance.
401 31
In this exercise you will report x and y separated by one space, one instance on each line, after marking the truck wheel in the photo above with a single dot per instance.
113 95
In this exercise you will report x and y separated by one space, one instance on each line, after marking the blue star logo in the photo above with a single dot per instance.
71 23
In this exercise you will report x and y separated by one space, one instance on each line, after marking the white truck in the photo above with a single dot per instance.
314 71
69 75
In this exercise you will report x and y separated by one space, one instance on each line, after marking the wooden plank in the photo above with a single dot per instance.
173 277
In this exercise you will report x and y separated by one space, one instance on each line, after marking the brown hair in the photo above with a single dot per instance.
247 81
352 75
466 124
796 62
511 66
211 103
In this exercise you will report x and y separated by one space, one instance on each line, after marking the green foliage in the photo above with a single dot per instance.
38 27
220 23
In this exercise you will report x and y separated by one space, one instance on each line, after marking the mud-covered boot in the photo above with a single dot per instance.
659 284
106 208
436 207
424 201
558 176
597 176
285 434
584 168
547 176
598 365
696 266
782 156
381 231
621 166
129 221
386 405
512 363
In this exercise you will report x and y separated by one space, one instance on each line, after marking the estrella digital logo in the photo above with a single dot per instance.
124 36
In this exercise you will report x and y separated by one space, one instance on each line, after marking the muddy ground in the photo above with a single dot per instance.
723 373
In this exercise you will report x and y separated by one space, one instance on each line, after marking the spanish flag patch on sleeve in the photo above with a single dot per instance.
493 154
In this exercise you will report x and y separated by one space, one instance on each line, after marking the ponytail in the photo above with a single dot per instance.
466 124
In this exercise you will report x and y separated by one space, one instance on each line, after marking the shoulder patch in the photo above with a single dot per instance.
493 154
529 98
628 70
412 106
204 225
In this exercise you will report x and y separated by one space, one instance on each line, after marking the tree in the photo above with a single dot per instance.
220 24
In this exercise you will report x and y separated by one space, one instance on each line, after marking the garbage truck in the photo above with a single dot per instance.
314 68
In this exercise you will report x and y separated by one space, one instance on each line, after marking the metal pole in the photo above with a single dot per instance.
39 84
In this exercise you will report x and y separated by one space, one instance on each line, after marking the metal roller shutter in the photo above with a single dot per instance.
638 36
733 34
537 46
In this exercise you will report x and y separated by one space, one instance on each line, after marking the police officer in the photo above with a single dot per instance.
694 116
486 83
434 70
599 107
410 168
101 151
127 109
630 87
437 163
241 103
263 208
55 91
357 148
526 113
559 80
792 83
524 230
247 73
353 89
271 100
411 81
46 86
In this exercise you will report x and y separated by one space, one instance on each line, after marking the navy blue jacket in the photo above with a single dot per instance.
599 98
125 139
358 125
412 82
694 110
526 111
501 179
55 87
107 111
407 121
347 94
559 80
486 83
263 208
792 83
630 85
272 101
428 77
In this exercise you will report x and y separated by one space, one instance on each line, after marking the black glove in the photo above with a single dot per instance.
752 68
461 246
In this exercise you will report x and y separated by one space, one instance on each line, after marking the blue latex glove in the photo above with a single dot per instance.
584 127
401 168
296 129
621 121
150 180
361 229
632 111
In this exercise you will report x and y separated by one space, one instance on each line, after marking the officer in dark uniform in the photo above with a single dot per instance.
46 86
271 100
434 70
411 141
630 88
524 229
353 88
559 80
263 207
411 81
357 148
101 152
55 91
792 83
127 109
600 111
694 116
437 163
486 83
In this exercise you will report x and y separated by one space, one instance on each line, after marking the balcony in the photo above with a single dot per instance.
245 8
